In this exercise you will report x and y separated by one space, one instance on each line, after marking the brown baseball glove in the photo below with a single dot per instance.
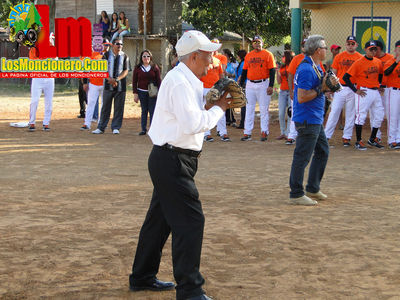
332 82
235 92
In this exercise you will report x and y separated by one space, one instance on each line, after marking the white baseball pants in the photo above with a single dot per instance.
94 92
292 131
393 115
39 85
257 92
344 98
385 105
372 101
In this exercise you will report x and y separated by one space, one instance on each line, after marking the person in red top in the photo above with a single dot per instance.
284 98
344 98
384 58
367 72
392 74
143 74
259 68
215 72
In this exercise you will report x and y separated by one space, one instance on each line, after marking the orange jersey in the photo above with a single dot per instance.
384 59
393 80
96 81
284 78
258 64
296 61
366 72
213 74
222 58
343 61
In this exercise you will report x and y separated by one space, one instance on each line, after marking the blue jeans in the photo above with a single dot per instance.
284 103
311 139
120 35
148 105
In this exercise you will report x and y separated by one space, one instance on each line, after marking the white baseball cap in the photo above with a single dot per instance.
193 40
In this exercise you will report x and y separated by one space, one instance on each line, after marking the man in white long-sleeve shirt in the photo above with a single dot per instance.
177 131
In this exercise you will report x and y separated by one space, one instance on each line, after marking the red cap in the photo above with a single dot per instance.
335 47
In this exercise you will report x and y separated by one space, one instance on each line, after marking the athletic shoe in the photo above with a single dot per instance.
115 131
319 195
303 200
225 138
290 141
84 127
264 136
379 140
346 142
98 131
281 137
208 138
360 146
31 127
246 137
376 143
46 128
393 146
397 146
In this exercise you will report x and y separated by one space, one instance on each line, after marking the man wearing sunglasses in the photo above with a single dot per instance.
367 73
114 88
345 97
259 68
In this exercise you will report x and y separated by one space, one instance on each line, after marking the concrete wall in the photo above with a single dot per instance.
334 21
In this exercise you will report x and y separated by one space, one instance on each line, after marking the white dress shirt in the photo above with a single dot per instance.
179 117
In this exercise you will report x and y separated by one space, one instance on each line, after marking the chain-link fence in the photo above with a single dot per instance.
367 20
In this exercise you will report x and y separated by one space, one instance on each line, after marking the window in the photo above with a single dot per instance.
106 5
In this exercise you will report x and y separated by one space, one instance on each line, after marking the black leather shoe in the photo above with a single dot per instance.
142 133
156 285
201 297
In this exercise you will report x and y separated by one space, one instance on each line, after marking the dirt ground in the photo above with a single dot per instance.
72 203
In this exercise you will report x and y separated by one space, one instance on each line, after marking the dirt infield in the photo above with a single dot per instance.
72 203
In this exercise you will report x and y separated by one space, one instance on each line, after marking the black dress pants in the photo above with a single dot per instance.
175 207
82 99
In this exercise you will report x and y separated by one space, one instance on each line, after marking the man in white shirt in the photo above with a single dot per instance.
177 131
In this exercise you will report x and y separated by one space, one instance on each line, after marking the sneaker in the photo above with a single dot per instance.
360 146
397 146
142 133
281 137
330 145
225 138
290 141
46 128
319 195
31 127
98 131
84 127
303 200
346 142
393 146
246 137
115 131
208 138
264 136
376 143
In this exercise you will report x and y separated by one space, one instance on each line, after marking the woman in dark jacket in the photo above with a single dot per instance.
144 73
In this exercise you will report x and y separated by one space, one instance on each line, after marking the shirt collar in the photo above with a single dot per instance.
189 74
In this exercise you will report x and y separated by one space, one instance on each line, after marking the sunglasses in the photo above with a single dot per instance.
146 56
118 44
351 44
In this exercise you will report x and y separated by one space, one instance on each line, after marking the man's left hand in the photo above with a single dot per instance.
270 90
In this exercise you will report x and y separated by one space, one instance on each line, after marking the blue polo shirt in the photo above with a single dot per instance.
307 79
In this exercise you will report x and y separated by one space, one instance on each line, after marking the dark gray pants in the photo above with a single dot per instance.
119 104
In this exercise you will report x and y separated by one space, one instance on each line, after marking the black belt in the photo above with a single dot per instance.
181 150
395 88
373 88
258 81
383 86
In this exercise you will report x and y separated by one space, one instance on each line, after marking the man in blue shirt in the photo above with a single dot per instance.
308 117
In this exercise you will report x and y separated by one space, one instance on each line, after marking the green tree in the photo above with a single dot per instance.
270 19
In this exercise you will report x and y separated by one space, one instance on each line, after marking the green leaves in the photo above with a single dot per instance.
270 19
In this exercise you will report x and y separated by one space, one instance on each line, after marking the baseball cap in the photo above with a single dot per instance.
351 38
334 46
397 44
193 40
379 44
257 37
215 41
370 44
